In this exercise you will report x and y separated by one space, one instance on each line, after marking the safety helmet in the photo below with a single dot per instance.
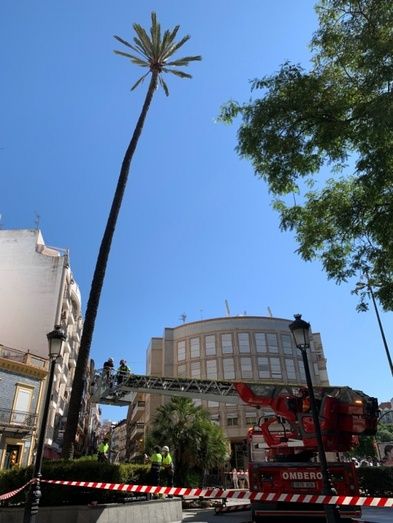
165 449
110 359
123 362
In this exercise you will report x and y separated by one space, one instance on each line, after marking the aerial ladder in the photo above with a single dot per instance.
282 446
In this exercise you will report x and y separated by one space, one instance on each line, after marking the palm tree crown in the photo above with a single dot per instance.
153 52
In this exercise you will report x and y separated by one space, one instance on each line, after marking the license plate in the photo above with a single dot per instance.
304 484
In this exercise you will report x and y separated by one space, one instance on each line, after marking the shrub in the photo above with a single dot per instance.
376 481
76 470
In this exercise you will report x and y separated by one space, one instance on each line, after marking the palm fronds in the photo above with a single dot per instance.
153 51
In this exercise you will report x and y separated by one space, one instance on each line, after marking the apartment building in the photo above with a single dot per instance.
39 291
22 376
244 348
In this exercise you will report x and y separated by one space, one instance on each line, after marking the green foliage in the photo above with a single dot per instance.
376 481
385 432
338 116
196 443
155 51
76 470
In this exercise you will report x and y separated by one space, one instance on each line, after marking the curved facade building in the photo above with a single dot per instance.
243 348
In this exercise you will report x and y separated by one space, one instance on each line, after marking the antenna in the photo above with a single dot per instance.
227 308
270 312
37 220
183 317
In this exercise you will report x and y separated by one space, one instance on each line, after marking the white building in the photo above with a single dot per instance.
38 291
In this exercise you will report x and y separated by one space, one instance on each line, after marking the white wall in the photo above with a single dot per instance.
30 280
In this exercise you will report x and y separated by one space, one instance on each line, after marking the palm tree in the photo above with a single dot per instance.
195 441
154 53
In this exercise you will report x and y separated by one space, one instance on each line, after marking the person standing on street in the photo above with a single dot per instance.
167 467
103 450
156 461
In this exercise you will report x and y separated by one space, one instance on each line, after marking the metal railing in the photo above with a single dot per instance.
22 357
17 419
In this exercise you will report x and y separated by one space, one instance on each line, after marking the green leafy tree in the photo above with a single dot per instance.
337 117
197 444
385 432
154 53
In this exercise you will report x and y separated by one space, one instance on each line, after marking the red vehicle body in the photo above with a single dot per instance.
282 447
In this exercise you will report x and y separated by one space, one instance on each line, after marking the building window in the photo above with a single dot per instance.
275 366
263 368
181 351
211 369
213 404
229 368
246 367
244 342
226 343
287 344
272 342
197 402
195 369
210 346
22 404
195 348
215 418
260 342
182 370
290 368
232 421
251 418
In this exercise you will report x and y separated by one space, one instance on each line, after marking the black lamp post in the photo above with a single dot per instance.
301 334
55 339
370 291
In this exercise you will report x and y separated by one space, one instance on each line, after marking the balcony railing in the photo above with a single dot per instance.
17 419
22 357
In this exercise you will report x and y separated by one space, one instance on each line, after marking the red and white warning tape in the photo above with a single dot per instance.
217 493
13 493
232 494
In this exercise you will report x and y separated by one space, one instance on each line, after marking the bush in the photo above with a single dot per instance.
84 469
376 481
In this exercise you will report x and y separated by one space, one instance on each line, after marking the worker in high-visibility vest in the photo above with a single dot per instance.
167 467
103 450
156 461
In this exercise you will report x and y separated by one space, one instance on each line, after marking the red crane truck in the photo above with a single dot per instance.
282 446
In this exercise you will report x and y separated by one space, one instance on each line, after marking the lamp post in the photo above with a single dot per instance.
369 288
301 334
55 339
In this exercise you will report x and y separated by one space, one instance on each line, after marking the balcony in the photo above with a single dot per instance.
137 430
23 357
138 410
17 421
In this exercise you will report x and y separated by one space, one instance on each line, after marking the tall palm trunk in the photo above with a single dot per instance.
98 280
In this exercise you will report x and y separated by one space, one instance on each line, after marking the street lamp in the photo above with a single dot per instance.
301 334
370 291
55 340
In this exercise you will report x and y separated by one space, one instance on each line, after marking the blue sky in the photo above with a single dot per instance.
196 226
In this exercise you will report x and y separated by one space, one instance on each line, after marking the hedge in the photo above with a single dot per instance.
84 469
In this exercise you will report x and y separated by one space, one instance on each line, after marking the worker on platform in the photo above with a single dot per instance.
122 372
108 370
168 468
155 467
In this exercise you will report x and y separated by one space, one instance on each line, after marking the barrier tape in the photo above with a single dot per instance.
233 508
13 493
218 493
